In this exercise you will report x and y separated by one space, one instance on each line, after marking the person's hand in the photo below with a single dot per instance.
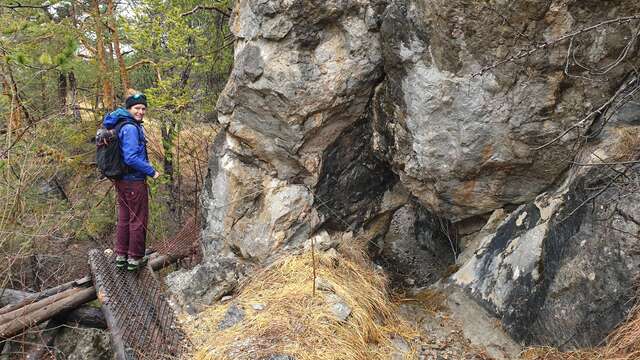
156 175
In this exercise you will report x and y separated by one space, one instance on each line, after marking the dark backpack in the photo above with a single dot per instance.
109 157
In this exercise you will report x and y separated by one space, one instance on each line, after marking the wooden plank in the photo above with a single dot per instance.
117 343
138 317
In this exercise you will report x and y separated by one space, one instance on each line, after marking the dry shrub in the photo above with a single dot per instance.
628 145
624 342
296 323
191 147
431 300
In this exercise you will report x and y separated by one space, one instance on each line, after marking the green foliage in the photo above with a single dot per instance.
45 59
192 52
37 206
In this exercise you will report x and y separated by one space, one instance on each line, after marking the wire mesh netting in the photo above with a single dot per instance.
140 318
185 243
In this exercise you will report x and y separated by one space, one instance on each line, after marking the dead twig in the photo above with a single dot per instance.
523 54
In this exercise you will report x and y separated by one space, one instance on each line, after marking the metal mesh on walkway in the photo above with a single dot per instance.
142 324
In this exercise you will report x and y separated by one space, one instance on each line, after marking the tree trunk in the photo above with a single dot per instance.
168 131
73 95
17 110
11 306
62 93
170 134
44 96
115 37
107 89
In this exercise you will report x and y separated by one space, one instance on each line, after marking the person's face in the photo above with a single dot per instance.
137 111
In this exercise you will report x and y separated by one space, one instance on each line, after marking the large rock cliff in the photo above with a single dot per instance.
437 132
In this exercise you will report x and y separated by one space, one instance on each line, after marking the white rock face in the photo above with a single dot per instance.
304 72
467 142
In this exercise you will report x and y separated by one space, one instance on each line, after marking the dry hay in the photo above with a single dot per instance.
624 343
627 147
549 353
295 323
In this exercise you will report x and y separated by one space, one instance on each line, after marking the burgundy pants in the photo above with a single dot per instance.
133 212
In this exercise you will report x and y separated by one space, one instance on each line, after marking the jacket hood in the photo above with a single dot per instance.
113 117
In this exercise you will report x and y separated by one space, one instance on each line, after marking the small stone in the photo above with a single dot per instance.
323 284
278 357
258 307
400 343
234 315
338 307
401 347
226 298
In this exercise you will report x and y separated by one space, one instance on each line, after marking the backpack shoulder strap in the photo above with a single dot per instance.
122 123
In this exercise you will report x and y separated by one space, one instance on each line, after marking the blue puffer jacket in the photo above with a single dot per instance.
133 144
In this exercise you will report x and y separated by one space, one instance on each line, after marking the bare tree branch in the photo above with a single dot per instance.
204 7
599 111
545 45
16 5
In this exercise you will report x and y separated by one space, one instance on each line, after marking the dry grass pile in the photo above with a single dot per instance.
622 344
549 353
296 323
628 144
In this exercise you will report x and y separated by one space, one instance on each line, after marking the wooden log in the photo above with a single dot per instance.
43 294
84 316
16 326
117 343
23 311
162 261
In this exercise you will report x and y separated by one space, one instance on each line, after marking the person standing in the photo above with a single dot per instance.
131 188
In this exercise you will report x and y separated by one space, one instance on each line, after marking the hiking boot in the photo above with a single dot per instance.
121 261
136 264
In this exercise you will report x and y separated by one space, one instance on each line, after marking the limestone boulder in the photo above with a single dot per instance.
560 270
467 138
303 72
